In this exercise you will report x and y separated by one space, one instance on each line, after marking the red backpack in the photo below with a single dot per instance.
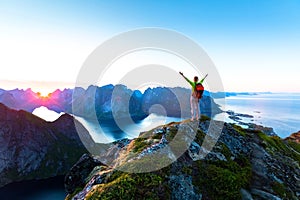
199 89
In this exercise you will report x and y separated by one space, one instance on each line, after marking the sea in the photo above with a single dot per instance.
281 111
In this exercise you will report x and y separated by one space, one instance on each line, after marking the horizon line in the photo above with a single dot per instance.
61 85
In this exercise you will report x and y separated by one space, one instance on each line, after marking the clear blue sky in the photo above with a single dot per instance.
255 44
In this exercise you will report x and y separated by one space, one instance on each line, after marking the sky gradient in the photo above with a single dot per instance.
255 44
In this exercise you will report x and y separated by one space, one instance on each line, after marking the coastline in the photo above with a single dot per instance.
273 110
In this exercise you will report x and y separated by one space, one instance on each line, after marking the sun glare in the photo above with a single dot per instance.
43 94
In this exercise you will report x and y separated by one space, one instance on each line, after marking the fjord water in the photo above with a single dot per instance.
281 111
46 114
45 189
109 131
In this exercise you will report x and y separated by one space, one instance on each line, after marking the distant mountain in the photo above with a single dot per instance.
244 164
32 148
8 99
20 99
99 100
217 95
176 102
102 102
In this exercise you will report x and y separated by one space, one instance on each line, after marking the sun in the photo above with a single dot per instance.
43 93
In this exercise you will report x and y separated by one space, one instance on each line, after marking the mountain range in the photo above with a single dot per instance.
110 101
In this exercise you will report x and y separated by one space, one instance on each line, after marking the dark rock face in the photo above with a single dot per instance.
79 172
32 148
183 188
244 164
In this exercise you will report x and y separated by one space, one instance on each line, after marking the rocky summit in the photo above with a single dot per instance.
243 164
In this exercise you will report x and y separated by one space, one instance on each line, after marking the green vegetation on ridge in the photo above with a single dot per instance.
220 175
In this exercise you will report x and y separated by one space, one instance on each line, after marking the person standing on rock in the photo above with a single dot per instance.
197 91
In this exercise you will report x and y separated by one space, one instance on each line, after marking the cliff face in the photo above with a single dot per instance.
244 164
32 148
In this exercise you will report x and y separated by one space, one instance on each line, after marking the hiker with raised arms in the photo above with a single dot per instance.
197 92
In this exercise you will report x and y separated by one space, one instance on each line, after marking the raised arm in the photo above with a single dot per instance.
203 78
190 82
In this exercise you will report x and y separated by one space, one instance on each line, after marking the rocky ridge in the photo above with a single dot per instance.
244 164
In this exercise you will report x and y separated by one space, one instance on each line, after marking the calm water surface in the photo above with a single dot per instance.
280 111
